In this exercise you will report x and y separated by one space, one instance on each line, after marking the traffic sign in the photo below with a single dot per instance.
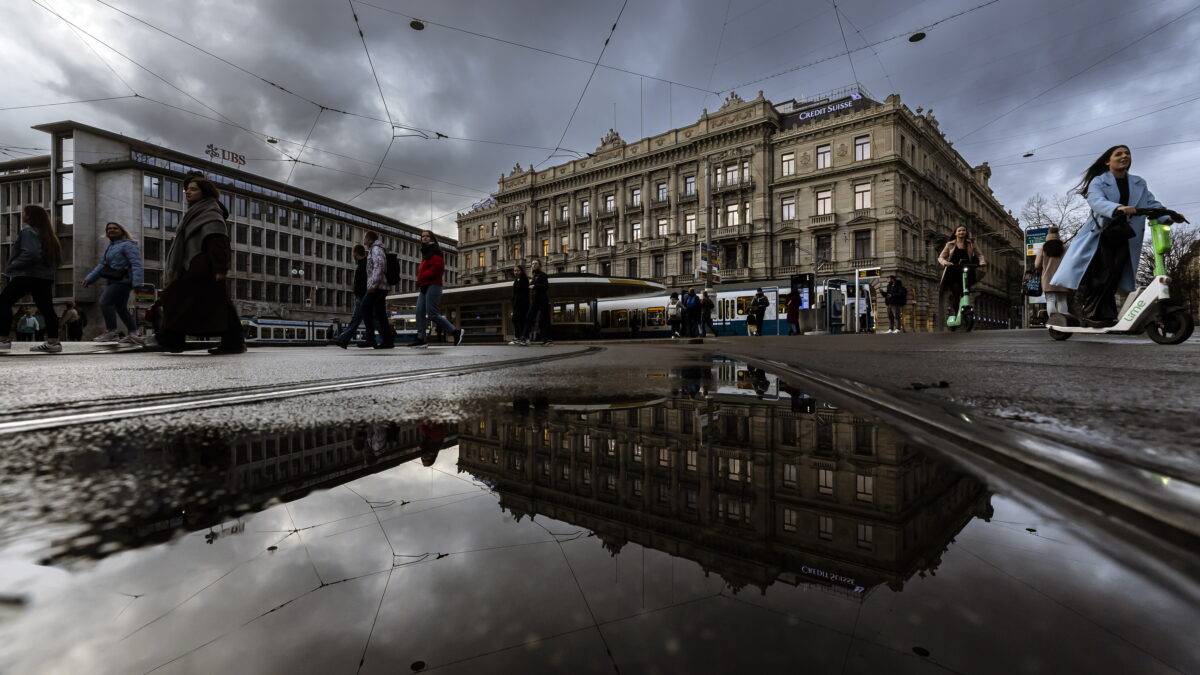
869 273
145 294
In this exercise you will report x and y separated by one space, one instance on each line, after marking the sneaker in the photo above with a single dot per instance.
418 343
133 340
47 348
524 343
459 335
241 349
514 341
107 336
5 345
547 343
341 343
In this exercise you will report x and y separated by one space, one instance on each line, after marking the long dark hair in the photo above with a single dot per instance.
39 220
207 187
1053 248
1098 167
432 248
522 274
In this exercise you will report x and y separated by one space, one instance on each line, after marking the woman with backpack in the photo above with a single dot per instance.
30 271
1047 262
195 300
674 314
121 267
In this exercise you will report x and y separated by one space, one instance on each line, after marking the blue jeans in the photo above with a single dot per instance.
427 310
115 302
357 318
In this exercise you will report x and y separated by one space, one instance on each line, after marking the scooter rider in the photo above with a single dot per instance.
1104 255
958 252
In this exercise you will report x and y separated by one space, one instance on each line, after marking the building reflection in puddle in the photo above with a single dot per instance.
751 479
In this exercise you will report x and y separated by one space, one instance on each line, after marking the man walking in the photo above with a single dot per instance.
706 308
759 305
539 305
375 300
691 307
360 296
895 296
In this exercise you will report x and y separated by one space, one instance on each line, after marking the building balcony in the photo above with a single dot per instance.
654 244
582 218
863 263
543 225
735 274
660 203
731 231
607 213
556 257
689 196
562 222
634 205
787 270
734 186
601 251
790 224
827 219
514 229
863 214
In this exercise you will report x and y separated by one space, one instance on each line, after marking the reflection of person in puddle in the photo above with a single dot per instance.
761 383
432 433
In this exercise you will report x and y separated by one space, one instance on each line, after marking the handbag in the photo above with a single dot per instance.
108 271
1118 231
1033 285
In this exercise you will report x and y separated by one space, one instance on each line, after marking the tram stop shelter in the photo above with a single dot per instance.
485 310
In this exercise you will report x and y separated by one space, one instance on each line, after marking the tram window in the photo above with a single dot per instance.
622 318
251 332
604 317
585 313
319 333
275 333
570 310
656 316
743 304
556 313
302 333
289 333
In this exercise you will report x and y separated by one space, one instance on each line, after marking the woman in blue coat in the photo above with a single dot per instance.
121 267
1104 254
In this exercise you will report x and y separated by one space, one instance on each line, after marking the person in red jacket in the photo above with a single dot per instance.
429 292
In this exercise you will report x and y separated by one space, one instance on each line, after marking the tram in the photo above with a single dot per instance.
731 307
284 331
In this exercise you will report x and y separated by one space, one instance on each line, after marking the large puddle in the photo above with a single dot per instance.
734 525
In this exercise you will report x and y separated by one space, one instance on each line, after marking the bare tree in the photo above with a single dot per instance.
1068 212
1184 238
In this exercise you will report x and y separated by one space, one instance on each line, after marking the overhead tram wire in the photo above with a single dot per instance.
86 100
304 146
1093 154
831 57
595 66
1058 84
845 43
717 55
379 85
102 59
874 51
532 48
1109 126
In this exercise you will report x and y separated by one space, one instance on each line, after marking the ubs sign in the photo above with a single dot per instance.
224 155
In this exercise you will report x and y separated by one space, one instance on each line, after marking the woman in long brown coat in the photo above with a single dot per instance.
195 300
1047 262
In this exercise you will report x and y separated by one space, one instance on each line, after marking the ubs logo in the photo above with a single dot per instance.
225 155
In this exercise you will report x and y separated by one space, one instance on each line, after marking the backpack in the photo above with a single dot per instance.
392 271
693 301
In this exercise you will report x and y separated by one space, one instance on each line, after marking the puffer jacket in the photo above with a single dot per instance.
121 255
27 258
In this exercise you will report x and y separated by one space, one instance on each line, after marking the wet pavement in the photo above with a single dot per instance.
680 512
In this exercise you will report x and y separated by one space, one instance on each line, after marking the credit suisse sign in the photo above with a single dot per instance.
853 102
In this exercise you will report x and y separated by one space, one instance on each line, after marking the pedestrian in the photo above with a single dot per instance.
957 252
674 314
520 302
196 300
28 325
1048 259
791 305
32 261
759 305
71 322
691 313
374 303
429 291
706 309
1104 254
121 268
895 297
539 306
360 294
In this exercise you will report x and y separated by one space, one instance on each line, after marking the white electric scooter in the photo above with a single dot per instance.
1148 308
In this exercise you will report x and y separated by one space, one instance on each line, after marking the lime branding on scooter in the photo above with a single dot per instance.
1148 308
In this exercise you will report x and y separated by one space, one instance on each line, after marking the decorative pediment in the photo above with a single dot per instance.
732 100
518 170
610 142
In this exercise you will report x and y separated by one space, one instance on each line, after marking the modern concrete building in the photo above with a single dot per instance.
292 248
824 186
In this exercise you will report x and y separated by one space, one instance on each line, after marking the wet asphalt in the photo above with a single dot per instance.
110 561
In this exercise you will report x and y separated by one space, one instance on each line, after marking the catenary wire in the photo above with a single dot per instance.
50 105
101 58
1076 74
717 54
837 13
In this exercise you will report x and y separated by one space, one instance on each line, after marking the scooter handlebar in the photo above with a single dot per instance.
1157 213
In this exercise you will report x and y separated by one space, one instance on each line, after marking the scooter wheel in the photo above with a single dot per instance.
1057 320
968 320
1171 327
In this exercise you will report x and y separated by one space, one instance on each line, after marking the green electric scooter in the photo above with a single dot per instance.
965 316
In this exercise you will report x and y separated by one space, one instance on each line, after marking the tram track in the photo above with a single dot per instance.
46 417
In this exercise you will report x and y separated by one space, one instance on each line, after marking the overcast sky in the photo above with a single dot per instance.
1067 67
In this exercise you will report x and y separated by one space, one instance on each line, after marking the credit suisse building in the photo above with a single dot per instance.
823 186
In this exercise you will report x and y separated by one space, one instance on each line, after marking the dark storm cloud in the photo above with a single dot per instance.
970 70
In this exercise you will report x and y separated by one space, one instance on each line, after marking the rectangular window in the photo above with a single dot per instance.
564 244
825 527
636 484
731 215
635 197
689 223
585 239
610 238
866 536
636 231
585 208
153 249
689 185
172 191
824 202
790 519
745 171
789 163
660 191
283 217
862 196
631 268
609 203
664 492
862 244
545 221
240 205
789 475
662 227
664 456
256 210
151 186
151 218
864 488
862 148
270 214
825 481
545 251
824 247
692 458
171 220
788 208
823 156
563 210
685 262
256 236
660 266
787 252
